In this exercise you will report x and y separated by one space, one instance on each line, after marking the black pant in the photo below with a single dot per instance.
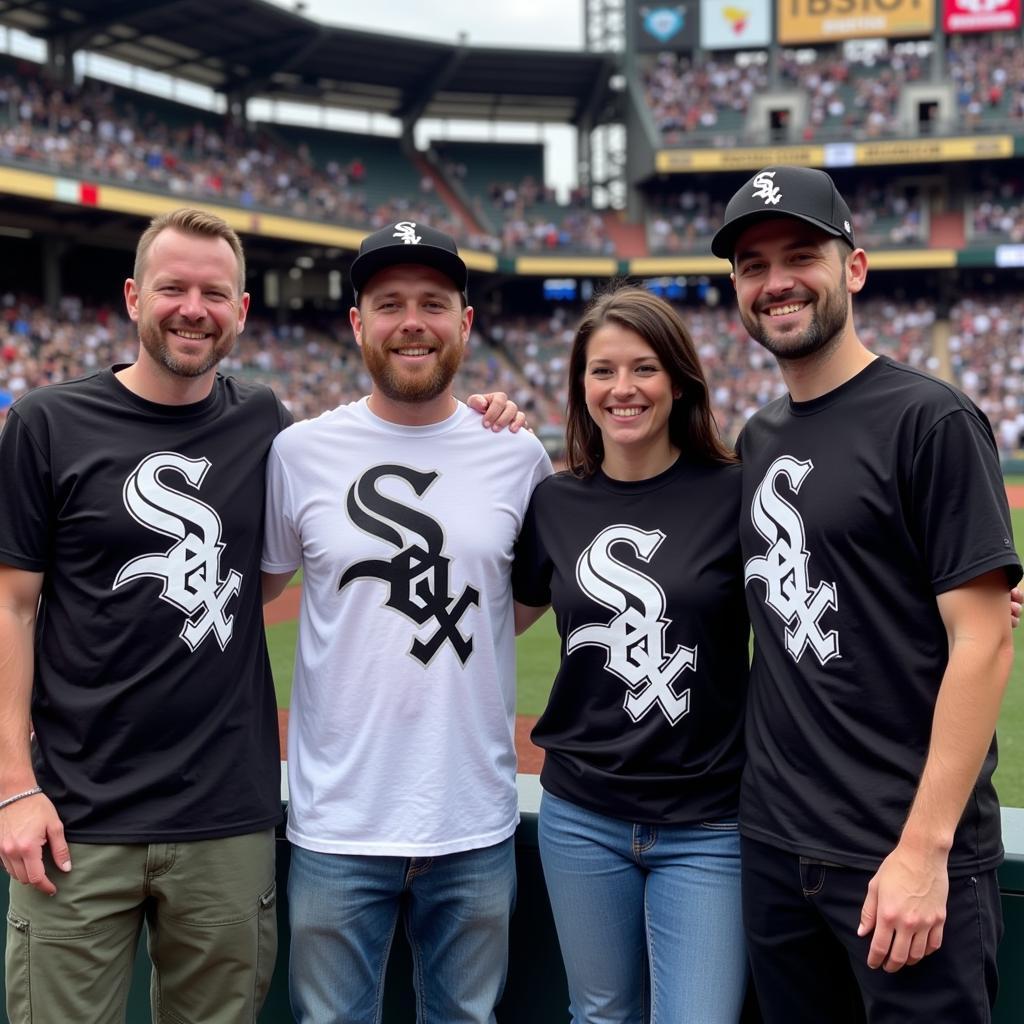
810 967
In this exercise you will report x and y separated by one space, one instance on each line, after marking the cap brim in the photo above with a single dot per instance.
365 266
723 245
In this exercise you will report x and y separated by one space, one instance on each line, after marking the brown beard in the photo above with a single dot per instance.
152 338
407 387
828 319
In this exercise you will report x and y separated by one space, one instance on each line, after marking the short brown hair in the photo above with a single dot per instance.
189 221
691 424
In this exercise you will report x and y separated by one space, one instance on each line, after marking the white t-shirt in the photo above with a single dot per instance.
401 733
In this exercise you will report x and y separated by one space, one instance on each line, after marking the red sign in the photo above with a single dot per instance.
980 15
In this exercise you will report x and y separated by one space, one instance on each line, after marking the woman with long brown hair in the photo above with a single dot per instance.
636 548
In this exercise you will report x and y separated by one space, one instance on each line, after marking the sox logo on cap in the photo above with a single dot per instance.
406 231
765 188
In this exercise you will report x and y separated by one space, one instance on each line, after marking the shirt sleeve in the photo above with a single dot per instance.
959 509
282 545
531 566
284 416
542 469
26 507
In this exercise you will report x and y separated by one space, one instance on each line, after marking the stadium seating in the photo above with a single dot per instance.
113 134
849 96
316 367
313 368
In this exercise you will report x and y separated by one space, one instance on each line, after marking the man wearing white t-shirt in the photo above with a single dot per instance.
402 762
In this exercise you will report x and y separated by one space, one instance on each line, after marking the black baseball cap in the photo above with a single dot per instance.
408 242
802 192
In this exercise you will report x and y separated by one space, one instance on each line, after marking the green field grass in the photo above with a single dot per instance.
1010 774
537 656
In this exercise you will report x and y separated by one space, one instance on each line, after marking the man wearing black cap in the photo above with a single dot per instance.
877 554
401 755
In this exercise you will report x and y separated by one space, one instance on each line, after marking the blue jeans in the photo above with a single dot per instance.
646 915
343 911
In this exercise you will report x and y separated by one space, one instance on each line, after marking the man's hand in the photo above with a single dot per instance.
905 908
1016 599
499 411
25 828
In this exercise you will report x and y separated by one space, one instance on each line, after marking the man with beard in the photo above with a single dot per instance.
401 756
131 634
878 553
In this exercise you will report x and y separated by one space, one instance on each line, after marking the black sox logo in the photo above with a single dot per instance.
783 569
635 638
418 576
189 569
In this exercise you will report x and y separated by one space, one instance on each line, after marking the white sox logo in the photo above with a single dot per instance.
406 231
766 189
189 569
635 638
418 575
783 569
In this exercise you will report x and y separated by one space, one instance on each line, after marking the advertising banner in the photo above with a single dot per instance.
736 24
855 154
979 15
658 27
826 21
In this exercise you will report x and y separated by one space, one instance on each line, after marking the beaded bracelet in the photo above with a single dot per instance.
20 796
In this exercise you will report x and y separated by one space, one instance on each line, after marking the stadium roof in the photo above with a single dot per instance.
256 48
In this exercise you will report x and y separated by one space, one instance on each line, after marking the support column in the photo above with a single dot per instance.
53 251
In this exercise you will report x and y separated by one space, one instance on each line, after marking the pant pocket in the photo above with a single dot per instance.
18 959
266 938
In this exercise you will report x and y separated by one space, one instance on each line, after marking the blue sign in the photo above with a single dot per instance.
664 22
666 26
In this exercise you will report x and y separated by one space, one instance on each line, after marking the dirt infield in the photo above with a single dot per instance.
283 609
1015 494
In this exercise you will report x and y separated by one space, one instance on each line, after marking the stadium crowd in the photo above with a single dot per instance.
316 367
101 132
986 350
312 368
988 71
687 95
580 230
683 222
858 98
997 211
849 96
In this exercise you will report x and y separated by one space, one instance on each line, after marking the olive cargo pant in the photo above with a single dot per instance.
212 933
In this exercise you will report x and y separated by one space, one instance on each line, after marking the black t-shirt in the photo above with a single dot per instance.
153 703
645 718
858 508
